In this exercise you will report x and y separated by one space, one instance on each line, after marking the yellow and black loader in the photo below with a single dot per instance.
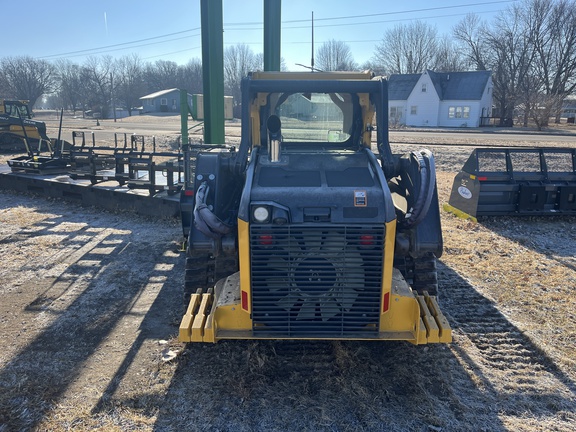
18 131
305 232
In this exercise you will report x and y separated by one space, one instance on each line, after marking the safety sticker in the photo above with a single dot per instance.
360 199
464 192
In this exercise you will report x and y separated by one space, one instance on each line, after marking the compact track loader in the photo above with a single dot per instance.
303 232
18 132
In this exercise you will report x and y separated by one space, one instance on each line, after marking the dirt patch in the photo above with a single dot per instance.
91 303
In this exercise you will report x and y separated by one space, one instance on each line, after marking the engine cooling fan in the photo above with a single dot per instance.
315 278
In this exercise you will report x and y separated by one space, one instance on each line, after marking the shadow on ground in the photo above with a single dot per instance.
102 284
369 386
552 236
488 378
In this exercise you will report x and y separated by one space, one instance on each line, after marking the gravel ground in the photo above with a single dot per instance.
91 304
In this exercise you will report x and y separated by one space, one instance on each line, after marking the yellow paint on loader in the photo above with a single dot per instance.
219 315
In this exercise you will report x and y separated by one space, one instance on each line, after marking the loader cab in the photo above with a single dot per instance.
14 108
314 119
324 118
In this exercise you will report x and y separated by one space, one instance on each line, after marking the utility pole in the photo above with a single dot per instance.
312 62
112 94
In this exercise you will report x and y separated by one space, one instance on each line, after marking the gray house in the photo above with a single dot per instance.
569 109
447 99
163 101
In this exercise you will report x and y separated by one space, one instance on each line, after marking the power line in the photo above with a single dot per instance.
383 13
122 44
170 53
107 48
368 22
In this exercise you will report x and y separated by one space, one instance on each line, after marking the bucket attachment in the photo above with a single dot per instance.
515 181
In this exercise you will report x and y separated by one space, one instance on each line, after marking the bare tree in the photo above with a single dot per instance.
531 49
335 56
69 90
97 79
448 57
5 90
27 78
504 48
161 75
407 48
190 76
470 32
553 34
238 61
131 85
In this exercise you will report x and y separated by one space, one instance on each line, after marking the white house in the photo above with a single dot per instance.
447 99
163 101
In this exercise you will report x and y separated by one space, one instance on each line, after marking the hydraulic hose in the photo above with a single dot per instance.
427 170
204 220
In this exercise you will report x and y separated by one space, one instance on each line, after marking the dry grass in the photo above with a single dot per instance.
525 265
22 216
89 300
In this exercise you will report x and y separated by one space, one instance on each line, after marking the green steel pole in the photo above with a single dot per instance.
213 70
272 34
184 117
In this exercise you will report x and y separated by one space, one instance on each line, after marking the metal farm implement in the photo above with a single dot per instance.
129 162
515 181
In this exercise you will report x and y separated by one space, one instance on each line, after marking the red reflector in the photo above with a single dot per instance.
244 300
386 303
366 240
189 192
482 178
266 239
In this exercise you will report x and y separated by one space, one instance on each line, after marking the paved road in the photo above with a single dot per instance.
453 136
170 125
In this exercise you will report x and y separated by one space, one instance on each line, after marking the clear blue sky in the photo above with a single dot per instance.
170 29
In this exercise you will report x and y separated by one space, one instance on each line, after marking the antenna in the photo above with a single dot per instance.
312 64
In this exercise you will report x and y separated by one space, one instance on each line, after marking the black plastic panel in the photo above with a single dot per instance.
316 281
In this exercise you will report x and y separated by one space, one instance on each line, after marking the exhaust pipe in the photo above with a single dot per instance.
274 126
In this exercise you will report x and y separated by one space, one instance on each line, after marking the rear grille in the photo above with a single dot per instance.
316 281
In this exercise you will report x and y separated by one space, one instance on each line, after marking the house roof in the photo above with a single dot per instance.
460 85
158 94
448 85
401 85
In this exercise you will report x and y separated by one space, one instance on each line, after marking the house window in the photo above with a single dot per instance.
413 110
163 101
151 102
459 112
393 112
173 103
424 88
